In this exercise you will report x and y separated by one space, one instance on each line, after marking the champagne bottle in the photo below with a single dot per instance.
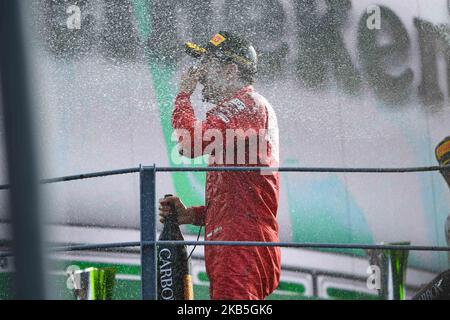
174 279
437 289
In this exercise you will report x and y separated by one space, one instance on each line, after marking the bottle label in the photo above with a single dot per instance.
166 281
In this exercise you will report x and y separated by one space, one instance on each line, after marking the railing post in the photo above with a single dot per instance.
21 153
148 233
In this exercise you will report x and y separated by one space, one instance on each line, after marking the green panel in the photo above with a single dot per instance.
278 296
123 289
291 287
285 291
5 286
201 292
127 290
202 276
59 288
131 289
120 268
338 293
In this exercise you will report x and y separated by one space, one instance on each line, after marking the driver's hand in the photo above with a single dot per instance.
185 215
190 78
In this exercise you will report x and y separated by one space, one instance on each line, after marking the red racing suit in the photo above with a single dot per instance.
240 206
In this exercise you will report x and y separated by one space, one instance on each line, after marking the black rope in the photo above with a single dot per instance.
269 169
305 245
84 247
305 169
82 176
91 175
198 237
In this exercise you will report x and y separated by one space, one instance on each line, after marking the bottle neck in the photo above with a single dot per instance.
171 229
171 219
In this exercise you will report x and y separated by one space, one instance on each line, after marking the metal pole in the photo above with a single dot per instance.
148 233
29 272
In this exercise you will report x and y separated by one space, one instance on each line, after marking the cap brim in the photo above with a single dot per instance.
194 50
